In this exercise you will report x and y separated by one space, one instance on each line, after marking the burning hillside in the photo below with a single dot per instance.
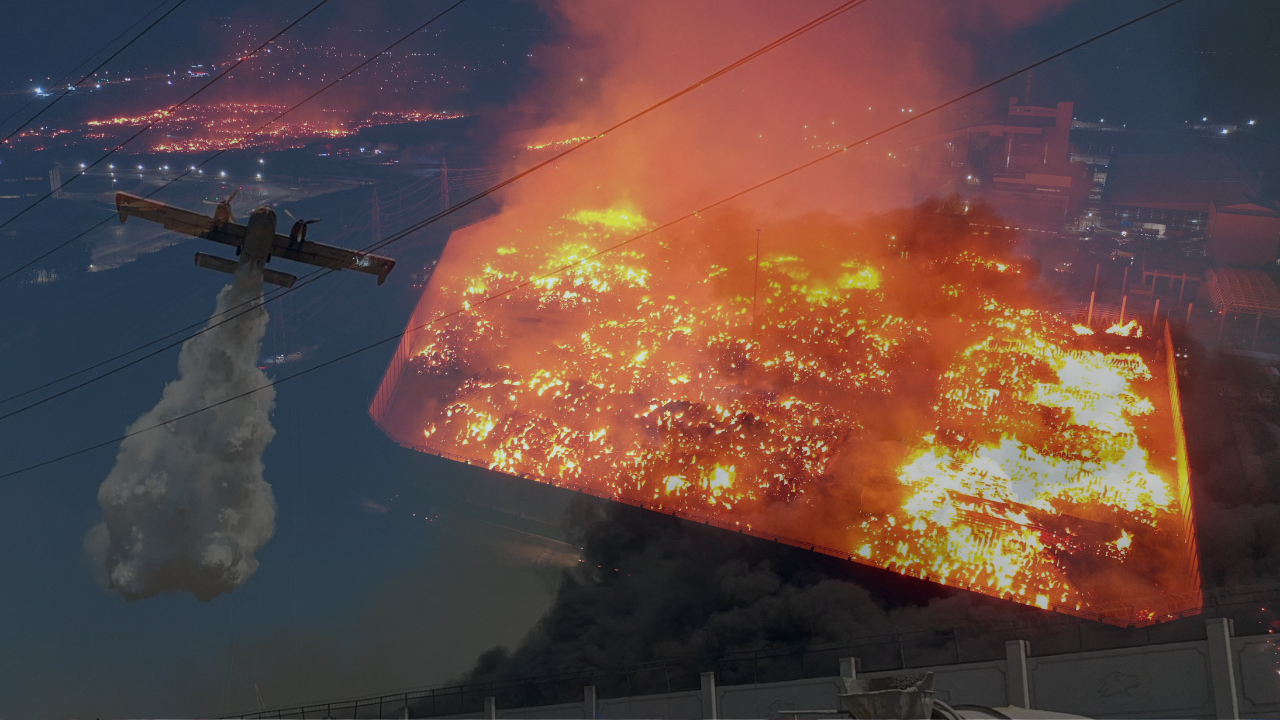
887 392
218 126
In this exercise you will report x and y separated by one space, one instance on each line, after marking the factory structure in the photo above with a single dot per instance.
1191 227
1029 168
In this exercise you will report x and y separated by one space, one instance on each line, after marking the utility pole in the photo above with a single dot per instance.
755 292
444 184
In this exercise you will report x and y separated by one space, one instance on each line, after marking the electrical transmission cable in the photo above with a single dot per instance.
609 249
218 154
307 279
849 5
86 61
107 361
239 61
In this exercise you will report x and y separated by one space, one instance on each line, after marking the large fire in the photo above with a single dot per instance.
885 391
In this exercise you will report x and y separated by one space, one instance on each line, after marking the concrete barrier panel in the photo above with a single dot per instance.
544 712
679 706
1258 666
772 700
1156 681
979 684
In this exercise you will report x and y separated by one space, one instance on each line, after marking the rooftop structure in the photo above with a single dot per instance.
1246 233
1190 182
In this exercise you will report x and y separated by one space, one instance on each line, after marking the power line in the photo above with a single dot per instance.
604 251
152 124
99 51
218 154
90 74
251 304
317 274
196 324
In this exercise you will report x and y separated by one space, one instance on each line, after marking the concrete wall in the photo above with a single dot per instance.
678 705
1257 662
1157 681
1219 677
771 700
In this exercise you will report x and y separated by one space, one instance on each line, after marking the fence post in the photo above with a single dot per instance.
1222 673
589 701
709 709
490 708
1018 685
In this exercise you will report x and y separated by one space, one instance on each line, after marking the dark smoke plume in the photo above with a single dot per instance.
186 508
653 587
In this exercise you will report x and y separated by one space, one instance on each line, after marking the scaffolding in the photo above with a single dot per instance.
1240 291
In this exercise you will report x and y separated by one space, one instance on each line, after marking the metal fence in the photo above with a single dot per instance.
1253 610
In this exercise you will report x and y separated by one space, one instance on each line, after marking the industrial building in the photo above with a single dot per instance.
1174 190
1022 164
1245 233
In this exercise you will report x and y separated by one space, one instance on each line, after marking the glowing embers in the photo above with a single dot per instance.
558 144
896 404
229 125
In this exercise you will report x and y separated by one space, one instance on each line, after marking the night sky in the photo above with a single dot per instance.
367 585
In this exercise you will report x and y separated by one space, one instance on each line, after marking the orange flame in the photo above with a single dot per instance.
1129 329
896 403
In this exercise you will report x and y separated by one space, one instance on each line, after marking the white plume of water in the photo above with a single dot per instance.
186 507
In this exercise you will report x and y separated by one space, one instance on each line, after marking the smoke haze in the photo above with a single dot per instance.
858 73
186 507
653 587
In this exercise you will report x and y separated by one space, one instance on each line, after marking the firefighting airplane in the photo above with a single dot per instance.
256 243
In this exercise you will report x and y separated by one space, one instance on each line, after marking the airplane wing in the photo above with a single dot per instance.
233 234
329 256
179 220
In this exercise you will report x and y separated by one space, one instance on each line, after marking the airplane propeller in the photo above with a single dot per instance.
295 218
228 199
224 212
298 233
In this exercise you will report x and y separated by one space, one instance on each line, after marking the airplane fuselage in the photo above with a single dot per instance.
259 238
